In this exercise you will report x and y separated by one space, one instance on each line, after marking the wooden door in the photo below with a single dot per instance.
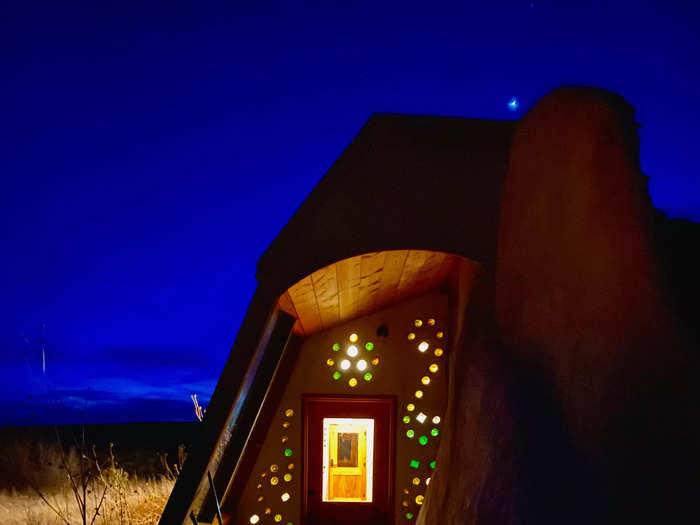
349 460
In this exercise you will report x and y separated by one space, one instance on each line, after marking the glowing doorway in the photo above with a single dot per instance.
348 457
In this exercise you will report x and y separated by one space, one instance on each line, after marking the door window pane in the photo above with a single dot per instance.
348 454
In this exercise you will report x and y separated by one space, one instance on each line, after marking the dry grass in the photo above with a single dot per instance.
143 505
40 481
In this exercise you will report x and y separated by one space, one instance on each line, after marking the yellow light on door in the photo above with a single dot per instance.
425 380
410 407
353 338
419 499
433 368
352 382
438 352
418 394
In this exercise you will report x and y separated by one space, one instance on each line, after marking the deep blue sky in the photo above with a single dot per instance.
148 156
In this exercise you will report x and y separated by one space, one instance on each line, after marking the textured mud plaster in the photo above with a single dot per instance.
573 396
580 301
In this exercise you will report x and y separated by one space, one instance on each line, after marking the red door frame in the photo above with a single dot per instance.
356 404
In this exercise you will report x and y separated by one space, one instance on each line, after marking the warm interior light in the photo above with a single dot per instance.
410 407
361 365
289 412
352 382
274 480
423 346
286 424
431 322
273 468
425 380
287 477
348 459
433 368
345 364
418 323
421 417
375 361
419 499
278 517
290 466
330 362
353 338
411 336
418 394
440 335
438 352
436 420
352 350
416 481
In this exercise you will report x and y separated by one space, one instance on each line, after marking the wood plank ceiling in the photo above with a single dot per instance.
363 284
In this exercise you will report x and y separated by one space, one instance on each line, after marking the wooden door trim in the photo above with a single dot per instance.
382 400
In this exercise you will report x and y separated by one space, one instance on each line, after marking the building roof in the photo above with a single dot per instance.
404 183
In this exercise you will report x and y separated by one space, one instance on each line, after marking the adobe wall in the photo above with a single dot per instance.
581 393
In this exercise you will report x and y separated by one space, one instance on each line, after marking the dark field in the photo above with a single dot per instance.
129 485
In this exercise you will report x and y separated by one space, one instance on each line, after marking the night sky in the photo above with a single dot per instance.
149 155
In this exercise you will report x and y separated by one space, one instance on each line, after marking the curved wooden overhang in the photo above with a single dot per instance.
363 284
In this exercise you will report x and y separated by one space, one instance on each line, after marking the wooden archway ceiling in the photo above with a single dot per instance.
363 284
